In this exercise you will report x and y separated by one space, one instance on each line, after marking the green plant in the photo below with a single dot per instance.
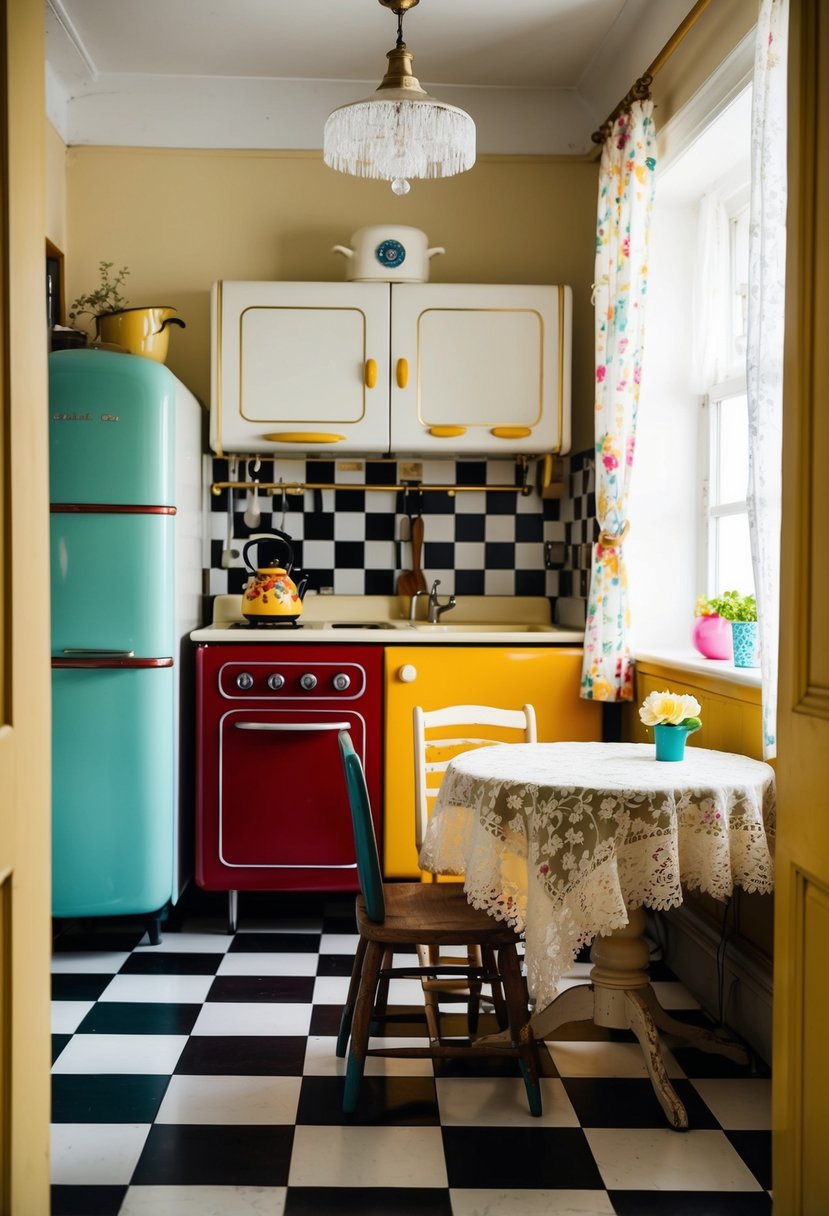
106 298
731 606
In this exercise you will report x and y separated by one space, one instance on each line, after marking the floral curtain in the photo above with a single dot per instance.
764 342
626 188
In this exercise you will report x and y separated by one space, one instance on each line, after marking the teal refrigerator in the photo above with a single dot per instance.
125 442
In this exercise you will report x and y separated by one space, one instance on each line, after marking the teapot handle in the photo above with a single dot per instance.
172 321
343 249
258 540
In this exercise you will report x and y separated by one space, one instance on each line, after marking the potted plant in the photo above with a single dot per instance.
139 330
673 716
711 633
741 612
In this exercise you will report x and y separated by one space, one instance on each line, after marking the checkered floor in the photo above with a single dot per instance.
199 1076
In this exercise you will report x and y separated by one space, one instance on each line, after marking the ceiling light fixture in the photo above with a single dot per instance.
400 131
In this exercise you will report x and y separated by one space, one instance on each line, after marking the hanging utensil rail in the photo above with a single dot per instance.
299 487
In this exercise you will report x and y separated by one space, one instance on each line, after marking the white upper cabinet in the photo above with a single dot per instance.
378 368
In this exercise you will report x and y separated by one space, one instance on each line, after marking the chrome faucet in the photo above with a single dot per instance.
436 609
413 604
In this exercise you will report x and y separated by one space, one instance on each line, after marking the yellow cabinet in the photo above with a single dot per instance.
432 676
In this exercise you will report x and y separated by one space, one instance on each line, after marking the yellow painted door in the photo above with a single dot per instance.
800 1063
433 676
25 938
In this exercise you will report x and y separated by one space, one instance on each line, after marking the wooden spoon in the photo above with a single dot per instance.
414 580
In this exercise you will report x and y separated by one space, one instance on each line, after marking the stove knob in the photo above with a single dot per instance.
407 673
244 680
342 681
308 681
276 681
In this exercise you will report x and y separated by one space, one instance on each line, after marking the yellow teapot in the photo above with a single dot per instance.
271 597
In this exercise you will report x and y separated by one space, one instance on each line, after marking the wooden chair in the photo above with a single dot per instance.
401 916
439 736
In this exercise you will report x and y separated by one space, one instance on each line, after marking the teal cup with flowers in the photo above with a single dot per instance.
673 716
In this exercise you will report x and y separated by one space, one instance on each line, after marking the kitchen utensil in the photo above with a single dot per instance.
229 554
271 596
414 580
388 253
253 515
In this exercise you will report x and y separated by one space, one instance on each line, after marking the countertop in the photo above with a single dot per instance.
504 620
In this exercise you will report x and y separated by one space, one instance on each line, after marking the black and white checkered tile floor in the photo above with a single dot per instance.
199 1077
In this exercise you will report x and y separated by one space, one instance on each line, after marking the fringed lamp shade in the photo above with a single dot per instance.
399 132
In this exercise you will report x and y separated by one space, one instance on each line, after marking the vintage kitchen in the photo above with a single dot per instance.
353 472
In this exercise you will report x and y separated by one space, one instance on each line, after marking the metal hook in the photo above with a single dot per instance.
284 505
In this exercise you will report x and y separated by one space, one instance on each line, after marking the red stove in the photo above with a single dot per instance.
272 812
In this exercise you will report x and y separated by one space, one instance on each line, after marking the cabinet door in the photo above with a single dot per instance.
299 367
546 677
480 369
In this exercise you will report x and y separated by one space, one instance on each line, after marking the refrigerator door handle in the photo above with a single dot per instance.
282 726
96 653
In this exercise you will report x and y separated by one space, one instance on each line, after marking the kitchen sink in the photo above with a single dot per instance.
479 627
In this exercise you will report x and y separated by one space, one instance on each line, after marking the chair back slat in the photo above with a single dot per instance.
365 840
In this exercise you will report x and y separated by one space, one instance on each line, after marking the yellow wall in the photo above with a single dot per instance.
55 151
181 219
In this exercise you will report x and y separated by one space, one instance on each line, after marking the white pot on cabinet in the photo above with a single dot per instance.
388 253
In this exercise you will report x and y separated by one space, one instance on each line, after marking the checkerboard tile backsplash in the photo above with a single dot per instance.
355 541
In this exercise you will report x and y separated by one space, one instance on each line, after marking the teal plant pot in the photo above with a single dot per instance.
670 740
744 637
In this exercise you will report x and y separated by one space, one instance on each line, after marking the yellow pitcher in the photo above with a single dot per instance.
141 331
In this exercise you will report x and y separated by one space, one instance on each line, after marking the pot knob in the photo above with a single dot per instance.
308 681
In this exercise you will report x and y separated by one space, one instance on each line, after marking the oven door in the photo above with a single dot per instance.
283 804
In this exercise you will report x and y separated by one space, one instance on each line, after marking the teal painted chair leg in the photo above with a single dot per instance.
361 1026
347 1015
520 1031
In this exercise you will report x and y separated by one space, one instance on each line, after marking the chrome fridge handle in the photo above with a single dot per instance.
284 726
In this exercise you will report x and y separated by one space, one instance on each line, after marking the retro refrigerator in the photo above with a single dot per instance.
125 441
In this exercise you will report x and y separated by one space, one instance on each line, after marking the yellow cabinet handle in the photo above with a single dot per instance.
447 432
302 437
402 373
511 432
371 373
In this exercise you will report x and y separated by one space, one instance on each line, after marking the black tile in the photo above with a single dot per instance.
488 1066
87 1200
380 526
74 986
631 1102
499 503
518 1158
381 473
499 555
438 555
552 508
335 964
257 1055
530 582
341 922
59 1041
325 1020
172 963
755 1149
386 1101
469 582
470 472
349 555
319 470
263 988
436 502
350 500
470 528
318 525
106 1097
107 940
139 1017
367 1201
220 1155
690 1203
529 528
379 582
695 1063
275 943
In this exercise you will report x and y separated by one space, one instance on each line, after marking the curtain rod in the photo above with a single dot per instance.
642 88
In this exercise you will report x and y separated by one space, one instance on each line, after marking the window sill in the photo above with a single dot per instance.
692 662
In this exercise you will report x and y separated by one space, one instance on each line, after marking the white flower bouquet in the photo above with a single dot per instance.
670 709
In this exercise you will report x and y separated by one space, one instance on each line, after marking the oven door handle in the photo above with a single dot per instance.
293 726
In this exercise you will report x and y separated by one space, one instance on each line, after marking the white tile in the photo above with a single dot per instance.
527 1203
739 1103
318 554
96 1154
346 582
501 1102
470 502
321 1059
231 1017
469 555
121 1053
661 1159
254 963
379 555
439 527
673 995
374 1156
204 1201
331 989
68 1015
215 942
575 1058
215 1099
529 555
500 528
89 962
349 525
158 989
339 943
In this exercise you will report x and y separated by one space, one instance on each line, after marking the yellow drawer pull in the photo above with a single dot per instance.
511 432
302 437
447 432
371 373
402 373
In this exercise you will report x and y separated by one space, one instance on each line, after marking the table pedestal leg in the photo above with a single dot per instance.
620 997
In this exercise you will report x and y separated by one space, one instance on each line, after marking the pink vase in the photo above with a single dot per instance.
711 636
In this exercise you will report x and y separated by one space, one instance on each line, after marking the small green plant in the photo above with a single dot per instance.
731 606
106 298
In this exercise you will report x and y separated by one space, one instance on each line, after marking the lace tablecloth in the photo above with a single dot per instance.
559 839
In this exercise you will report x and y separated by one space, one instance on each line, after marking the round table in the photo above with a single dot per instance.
568 842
